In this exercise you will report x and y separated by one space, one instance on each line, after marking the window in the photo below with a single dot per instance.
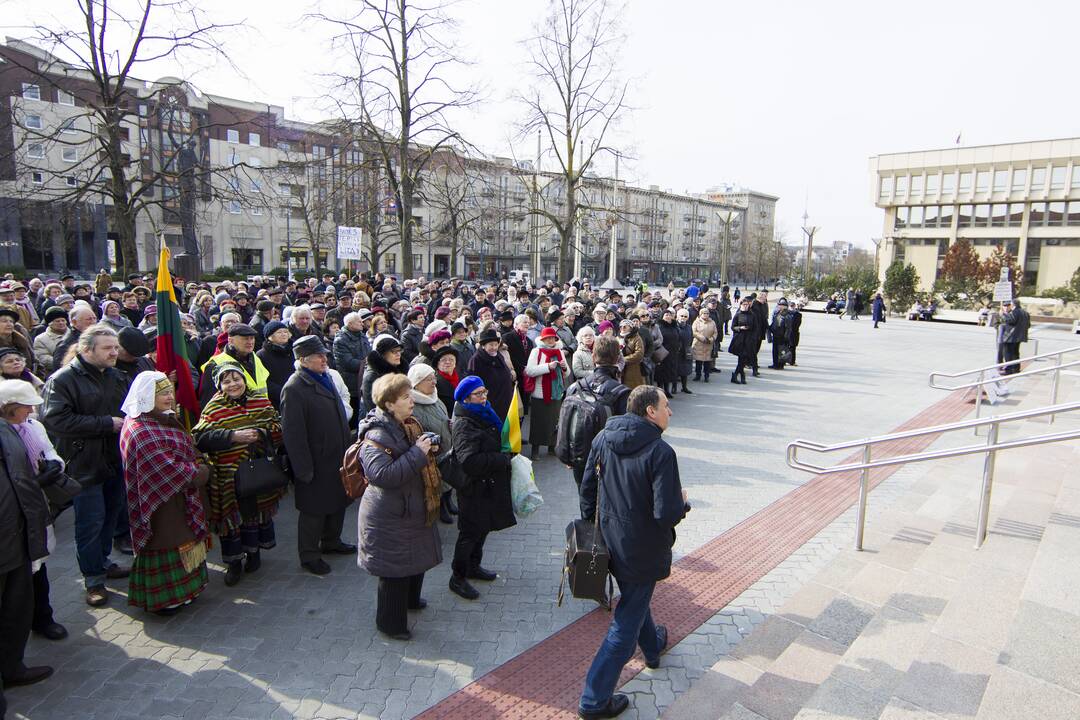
65 98
948 183
916 184
1019 180
71 181
67 127
33 122
982 181
234 207
256 210
70 154
930 216
965 216
901 184
1073 217
256 186
1055 214
1037 216
1001 180
1057 177
232 136
144 109
999 215
1016 214
916 217
247 261
982 215
253 138
35 150
965 182
901 218
254 162
31 91
932 184
418 262
318 151
284 146
1038 180
946 216
37 178
284 188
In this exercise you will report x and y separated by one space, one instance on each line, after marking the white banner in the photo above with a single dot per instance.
350 243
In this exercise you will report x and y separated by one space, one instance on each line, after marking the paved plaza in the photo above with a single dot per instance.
285 644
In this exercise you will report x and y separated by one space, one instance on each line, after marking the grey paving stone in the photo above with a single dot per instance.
1012 695
767 642
842 620
836 699
947 678
1043 643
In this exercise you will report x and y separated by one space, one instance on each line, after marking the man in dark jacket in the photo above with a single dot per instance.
351 348
316 434
640 502
23 517
79 319
603 383
82 412
1015 323
412 335
779 334
760 308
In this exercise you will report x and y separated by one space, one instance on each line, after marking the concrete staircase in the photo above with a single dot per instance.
922 625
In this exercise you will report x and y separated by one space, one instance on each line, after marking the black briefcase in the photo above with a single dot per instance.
587 562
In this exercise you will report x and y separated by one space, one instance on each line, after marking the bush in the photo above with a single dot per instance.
1059 293
900 284
225 273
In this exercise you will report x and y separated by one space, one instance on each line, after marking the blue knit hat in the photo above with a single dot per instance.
272 327
467 387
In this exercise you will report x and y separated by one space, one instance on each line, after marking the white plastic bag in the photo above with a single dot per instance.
523 491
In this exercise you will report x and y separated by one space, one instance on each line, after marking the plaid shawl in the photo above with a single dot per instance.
159 462
221 413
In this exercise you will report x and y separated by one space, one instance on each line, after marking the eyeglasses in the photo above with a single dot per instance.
482 392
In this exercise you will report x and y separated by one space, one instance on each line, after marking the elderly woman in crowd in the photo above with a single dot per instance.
633 350
12 336
484 505
277 357
13 367
17 402
432 415
111 316
384 359
685 361
234 424
46 342
704 333
446 376
165 509
491 367
547 371
316 432
399 538
582 363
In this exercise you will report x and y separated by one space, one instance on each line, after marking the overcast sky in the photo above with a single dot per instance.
790 98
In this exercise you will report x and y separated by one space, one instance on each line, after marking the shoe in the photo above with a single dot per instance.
253 562
733 379
450 504
170 611
756 374
420 605
342 548
479 573
688 391
97 596
793 364
234 572
662 636
461 587
706 378
406 635
123 545
115 572
534 453
316 567
615 707
28 676
52 631
669 395
774 367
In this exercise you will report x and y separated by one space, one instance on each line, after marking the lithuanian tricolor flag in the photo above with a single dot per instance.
511 431
171 348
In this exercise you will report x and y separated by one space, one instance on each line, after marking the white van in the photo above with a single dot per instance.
521 276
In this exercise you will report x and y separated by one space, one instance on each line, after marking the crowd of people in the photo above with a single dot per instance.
421 374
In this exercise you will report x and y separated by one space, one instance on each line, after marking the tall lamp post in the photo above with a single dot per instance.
810 230
726 219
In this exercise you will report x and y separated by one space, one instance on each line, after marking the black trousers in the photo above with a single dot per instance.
396 597
1010 353
16 614
315 532
468 550
703 367
793 347
776 348
43 613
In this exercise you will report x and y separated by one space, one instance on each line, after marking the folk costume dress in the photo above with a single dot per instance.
244 525
165 510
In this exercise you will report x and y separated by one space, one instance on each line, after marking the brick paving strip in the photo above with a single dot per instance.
545 681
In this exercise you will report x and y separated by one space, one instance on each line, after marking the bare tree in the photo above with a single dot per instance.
456 190
399 94
576 99
96 63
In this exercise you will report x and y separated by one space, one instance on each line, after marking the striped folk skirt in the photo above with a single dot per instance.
159 580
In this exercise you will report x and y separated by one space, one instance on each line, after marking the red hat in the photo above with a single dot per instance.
549 332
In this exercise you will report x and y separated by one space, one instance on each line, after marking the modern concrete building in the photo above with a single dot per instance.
1023 196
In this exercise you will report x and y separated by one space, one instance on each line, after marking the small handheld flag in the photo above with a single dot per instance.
511 430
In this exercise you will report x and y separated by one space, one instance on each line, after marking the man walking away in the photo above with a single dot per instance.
1015 323
634 475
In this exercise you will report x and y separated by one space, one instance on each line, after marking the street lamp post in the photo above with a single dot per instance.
809 230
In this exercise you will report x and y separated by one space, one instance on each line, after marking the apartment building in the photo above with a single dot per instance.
237 184
1022 196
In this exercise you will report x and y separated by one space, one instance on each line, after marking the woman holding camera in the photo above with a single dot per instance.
399 537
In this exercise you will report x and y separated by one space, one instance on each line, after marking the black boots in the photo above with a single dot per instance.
234 572
734 379
253 562
461 587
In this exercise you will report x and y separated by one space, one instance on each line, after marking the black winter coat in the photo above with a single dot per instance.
315 433
23 510
395 539
278 361
80 403
484 504
410 339
780 330
668 370
519 353
761 315
497 379
640 497
744 343
686 355
375 368
350 355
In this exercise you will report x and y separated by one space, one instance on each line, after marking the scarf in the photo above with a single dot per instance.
429 473
551 382
485 413
324 380
421 399
452 378
36 444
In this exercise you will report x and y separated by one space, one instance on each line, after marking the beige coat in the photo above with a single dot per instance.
704 335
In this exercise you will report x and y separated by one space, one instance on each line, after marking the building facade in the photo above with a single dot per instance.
1024 197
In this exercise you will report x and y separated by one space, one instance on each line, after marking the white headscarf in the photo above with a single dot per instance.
140 397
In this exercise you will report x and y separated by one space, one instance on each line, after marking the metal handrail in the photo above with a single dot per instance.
989 450
989 374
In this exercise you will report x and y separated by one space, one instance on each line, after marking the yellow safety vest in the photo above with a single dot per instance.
254 383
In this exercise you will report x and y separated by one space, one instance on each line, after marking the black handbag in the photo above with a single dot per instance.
264 471
452 474
586 567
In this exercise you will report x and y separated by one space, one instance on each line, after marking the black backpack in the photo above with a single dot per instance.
585 411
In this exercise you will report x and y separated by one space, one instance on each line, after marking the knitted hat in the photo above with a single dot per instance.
420 372
272 327
438 336
225 367
133 340
467 387
55 312
606 325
